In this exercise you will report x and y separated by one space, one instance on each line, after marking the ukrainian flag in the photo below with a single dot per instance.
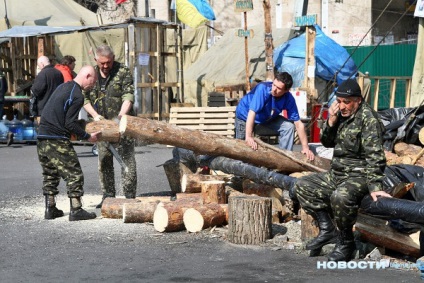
194 12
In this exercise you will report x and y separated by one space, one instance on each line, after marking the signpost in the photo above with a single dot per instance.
244 6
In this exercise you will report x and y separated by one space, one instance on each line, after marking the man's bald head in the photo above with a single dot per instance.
86 77
43 61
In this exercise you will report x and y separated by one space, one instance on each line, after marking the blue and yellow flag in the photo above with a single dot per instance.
194 12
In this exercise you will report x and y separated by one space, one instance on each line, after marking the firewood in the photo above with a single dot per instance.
401 189
213 192
249 220
201 217
194 196
139 212
161 132
191 183
168 216
308 226
109 129
112 207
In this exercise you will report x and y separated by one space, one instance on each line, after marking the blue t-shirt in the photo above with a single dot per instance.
266 107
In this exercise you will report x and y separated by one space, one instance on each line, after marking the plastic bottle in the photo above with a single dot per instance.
15 126
4 128
27 129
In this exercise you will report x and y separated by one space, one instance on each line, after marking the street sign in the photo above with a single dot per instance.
303 21
243 5
244 33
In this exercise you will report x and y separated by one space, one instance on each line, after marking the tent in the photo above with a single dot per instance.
224 64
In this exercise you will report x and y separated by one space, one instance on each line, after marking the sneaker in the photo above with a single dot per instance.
81 214
9 138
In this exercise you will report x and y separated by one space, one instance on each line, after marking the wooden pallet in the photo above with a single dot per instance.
217 120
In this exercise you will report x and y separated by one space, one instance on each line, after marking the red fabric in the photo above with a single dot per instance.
119 1
66 72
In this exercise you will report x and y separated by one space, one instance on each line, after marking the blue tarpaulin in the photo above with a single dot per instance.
329 56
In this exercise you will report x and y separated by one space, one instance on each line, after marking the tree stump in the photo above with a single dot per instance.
309 229
208 215
213 192
249 220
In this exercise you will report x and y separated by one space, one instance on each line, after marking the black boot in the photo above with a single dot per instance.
327 231
344 248
77 213
51 211
103 198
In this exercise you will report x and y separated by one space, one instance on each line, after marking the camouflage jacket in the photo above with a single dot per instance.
118 88
358 146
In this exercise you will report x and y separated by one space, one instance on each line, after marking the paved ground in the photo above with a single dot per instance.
104 250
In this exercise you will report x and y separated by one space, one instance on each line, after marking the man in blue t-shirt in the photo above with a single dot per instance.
264 105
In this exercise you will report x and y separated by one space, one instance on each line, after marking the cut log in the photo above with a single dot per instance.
139 212
191 183
174 171
308 226
193 196
205 216
112 207
213 192
249 220
377 232
400 190
168 216
217 145
109 129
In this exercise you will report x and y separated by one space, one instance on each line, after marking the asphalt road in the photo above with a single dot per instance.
106 250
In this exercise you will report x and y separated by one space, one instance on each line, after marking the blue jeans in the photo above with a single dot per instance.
284 127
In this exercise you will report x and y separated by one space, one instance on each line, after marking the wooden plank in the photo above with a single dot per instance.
408 84
392 92
376 93
202 115
204 109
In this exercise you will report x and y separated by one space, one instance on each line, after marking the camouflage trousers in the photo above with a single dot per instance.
59 160
126 150
339 195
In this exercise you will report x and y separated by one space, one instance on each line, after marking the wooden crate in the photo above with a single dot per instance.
217 120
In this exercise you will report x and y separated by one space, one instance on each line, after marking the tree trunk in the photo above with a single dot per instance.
216 145
201 217
213 192
191 183
168 216
112 207
139 212
249 220
109 129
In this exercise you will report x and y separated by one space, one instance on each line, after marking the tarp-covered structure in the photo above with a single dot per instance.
333 62
224 63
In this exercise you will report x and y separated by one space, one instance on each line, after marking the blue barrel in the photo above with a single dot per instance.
27 129
4 129
15 126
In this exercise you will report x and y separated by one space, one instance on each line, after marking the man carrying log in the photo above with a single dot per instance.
357 169
264 105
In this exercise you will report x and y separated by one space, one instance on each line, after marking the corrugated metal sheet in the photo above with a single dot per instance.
386 60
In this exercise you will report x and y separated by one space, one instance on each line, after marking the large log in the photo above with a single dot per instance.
249 220
377 232
216 145
109 129
139 212
168 216
201 217
112 207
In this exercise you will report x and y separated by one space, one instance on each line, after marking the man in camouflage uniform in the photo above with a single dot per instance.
111 98
355 132
56 153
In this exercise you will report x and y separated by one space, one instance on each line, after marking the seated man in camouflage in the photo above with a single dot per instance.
355 132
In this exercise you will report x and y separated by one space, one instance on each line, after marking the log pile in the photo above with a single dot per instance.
410 154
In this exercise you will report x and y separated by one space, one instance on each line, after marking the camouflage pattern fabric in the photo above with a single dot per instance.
106 171
357 167
119 87
58 160
108 102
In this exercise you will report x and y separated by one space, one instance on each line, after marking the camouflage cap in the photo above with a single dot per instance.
349 88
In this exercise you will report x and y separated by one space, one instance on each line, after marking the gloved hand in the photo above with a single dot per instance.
98 118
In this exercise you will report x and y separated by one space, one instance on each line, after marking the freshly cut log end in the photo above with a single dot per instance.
160 218
109 129
193 220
